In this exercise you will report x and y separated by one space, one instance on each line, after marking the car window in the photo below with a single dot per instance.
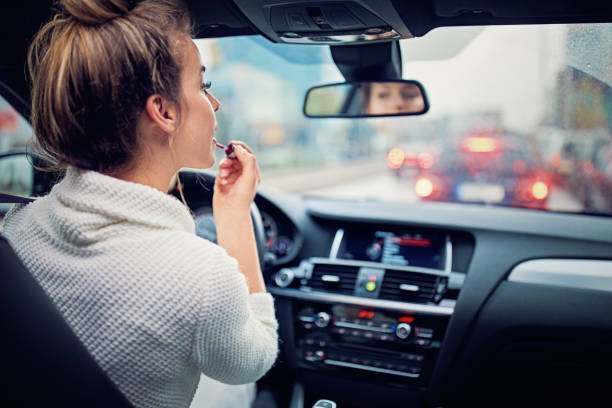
15 172
539 95
15 131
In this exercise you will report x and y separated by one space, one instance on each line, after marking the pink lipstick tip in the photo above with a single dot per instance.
229 150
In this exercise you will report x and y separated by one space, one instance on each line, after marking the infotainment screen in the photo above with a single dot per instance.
391 248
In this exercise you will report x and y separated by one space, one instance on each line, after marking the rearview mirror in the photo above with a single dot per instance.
366 99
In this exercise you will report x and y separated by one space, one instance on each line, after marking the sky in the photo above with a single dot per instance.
508 68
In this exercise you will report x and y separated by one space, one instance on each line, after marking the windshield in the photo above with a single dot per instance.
520 116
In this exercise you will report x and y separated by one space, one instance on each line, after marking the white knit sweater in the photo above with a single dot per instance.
154 304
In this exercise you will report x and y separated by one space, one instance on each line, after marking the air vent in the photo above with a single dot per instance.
412 287
334 278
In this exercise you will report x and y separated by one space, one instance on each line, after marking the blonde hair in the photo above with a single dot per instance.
92 68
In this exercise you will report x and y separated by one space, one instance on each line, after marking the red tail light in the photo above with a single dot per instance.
480 144
395 158
424 187
539 190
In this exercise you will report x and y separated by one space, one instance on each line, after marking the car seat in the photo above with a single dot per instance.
43 363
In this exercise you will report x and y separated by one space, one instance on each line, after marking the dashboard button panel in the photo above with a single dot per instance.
352 338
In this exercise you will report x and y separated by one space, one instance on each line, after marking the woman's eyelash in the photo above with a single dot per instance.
206 85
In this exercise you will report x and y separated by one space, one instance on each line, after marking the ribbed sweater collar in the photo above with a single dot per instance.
86 203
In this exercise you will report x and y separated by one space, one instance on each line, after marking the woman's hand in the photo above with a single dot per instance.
235 187
236 182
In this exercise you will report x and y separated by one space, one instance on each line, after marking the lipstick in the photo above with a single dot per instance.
229 149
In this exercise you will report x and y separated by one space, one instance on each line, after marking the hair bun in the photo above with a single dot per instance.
93 12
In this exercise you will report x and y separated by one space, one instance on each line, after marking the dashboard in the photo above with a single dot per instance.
434 304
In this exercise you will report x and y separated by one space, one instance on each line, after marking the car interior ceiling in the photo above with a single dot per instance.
493 337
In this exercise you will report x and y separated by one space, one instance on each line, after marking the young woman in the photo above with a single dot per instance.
118 100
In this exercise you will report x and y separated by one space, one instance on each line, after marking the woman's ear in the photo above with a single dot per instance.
162 113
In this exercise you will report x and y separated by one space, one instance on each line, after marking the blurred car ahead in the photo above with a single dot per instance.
591 180
408 159
486 169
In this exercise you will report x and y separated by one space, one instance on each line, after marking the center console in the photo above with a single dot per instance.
376 310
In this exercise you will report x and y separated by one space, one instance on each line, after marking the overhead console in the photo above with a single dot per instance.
379 304
357 21
325 22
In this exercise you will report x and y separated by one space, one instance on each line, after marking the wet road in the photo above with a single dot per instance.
385 186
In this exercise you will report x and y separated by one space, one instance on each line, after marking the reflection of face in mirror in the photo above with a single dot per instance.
389 98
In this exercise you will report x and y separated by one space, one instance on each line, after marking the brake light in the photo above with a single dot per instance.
395 158
480 144
424 187
539 190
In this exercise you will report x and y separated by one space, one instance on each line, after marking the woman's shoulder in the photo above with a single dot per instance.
14 220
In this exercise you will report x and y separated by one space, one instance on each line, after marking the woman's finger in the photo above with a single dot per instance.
226 163
230 178
226 171
241 143
246 158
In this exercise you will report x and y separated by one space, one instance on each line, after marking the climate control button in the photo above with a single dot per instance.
322 319
402 331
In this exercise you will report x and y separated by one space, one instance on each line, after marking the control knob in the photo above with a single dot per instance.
284 277
402 331
322 319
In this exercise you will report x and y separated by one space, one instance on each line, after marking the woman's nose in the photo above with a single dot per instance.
398 101
215 103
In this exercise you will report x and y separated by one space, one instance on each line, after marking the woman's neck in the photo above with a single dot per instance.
154 173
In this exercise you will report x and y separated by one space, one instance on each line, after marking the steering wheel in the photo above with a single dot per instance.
198 188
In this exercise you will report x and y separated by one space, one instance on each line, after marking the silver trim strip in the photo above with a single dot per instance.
325 297
455 280
333 252
571 273
407 287
329 278
362 327
368 368
377 265
448 259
